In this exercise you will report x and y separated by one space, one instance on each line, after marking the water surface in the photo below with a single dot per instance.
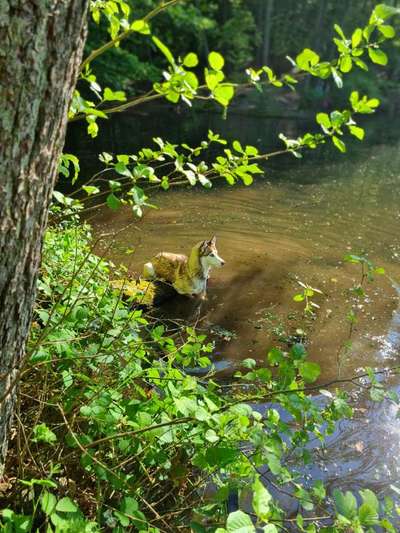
295 224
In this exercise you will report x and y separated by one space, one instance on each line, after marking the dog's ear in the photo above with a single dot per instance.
213 241
203 246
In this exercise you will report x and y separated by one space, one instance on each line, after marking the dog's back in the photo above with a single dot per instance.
169 267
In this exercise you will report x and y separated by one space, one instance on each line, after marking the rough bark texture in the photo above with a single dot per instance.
41 44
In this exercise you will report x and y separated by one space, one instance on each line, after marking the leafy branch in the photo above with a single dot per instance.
175 165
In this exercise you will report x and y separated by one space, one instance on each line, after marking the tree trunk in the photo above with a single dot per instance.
41 44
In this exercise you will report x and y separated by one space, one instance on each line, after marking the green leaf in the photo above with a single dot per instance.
129 505
324 120
319 490
65 161
370 499
140 26
237 146
216 61
307 59
373 102
113 202
239 522
261 500
360 63
191 60
270 528
90 189
211 436
337 118
105 157
123 519
351 258
367 515
213 79
298 297
387 31
298 351
249 363
224 94
114 185
205 182
309 371
357 132
195 527
346 64
354 98
122 169
41 433
274 464
383 11
66 505
338 143
251 151
110 95
275 356
356 38
16 523
93 129
93 113
48 502
164 49
345 503
377 56
59 196
339 30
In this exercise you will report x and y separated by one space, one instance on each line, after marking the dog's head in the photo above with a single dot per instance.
209 254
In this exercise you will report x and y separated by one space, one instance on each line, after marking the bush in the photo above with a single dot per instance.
115 432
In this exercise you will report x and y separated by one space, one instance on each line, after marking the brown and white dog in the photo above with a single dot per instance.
188 275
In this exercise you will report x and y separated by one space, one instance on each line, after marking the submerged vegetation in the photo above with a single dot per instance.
115 430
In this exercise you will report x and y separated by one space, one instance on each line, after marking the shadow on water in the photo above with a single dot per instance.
295 224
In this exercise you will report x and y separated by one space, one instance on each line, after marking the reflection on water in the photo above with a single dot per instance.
296 224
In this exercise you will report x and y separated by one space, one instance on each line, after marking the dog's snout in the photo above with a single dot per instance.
222 262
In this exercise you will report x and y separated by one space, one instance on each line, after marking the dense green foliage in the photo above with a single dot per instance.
242 31
198 26
116 430
117 413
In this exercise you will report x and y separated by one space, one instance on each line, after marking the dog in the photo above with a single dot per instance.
187 275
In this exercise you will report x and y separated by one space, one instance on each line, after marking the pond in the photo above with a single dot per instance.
295 224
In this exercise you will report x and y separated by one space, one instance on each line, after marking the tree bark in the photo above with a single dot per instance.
41 43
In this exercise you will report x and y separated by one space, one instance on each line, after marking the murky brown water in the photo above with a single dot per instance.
296 225
275 233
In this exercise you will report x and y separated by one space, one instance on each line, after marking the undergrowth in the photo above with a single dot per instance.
114 433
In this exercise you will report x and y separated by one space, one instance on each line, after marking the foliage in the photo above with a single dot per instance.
117 407
171 165
306 296
118 411
200 26
237 29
